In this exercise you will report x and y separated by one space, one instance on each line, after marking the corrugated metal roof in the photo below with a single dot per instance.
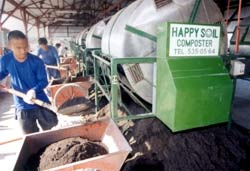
59 12
82 12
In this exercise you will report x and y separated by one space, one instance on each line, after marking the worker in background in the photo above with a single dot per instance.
50 57
66 52
59 49
28 75
58 45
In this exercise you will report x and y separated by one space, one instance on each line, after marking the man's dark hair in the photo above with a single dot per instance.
58 45
42 41
16 34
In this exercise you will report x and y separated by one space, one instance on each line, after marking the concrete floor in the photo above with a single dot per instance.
9 128
8 131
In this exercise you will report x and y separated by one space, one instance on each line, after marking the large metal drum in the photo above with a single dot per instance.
82 37
94 35
146 15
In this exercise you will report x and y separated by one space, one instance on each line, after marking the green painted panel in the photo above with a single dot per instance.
191 92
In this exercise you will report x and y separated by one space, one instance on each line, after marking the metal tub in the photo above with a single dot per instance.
105 131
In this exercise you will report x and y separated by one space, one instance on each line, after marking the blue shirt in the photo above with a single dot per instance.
26 75
49 57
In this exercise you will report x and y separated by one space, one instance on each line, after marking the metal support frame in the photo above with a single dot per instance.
88 69
229 125
140 33
115 85
113 96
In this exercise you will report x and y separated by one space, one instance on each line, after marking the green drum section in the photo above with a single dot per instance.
192 90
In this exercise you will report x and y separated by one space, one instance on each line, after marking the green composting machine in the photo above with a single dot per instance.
174 67
193 86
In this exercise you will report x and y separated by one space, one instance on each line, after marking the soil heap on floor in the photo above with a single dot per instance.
156 148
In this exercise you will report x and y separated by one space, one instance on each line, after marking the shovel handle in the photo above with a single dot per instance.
22 95
56 67
12 140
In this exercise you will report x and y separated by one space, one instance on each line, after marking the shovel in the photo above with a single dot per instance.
65 111
36 101
68 75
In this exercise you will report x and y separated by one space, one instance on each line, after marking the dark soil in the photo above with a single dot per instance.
63 152
76 101
156 148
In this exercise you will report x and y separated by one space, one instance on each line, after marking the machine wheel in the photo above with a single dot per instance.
68 92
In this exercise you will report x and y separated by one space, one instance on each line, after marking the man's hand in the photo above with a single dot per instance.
31 94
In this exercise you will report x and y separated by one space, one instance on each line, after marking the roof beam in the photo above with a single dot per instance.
65 2
115 5
38 19
12 12
26 6
1 13
37 6
16 4
2 7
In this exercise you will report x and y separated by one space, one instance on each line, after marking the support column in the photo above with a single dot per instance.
67 31
48 32
1 25
44 30
25 22
238 29
38 27
228 10
1 13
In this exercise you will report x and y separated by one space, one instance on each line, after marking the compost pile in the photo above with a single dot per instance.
87 105
64 152
156 148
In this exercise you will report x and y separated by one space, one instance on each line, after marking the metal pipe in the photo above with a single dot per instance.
134 60
105 81
238 28
102 89
96 86
135 116
114 89
134 97
228 6
195 10
99 58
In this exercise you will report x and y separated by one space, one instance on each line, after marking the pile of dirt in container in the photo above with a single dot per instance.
156 148
63 152
87 106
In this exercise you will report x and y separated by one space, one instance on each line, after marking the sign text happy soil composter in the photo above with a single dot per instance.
193 40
